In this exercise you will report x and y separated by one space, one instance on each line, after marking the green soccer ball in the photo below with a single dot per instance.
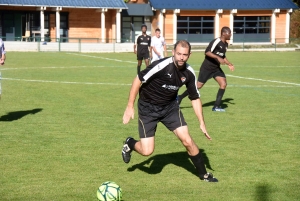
109 191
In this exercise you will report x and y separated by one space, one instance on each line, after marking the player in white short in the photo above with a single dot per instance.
158 45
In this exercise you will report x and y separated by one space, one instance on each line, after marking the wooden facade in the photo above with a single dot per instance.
86 22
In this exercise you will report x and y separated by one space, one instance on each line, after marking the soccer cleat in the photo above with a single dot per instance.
126 151
218 109
209 178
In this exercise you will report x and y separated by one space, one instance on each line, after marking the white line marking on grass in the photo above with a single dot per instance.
57 67
84 55
65 82
257 79
122 84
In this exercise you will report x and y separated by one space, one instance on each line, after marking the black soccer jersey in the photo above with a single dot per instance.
161 81
143 42
217 47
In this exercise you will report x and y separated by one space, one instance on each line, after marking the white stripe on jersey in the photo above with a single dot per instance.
192 71
215 44
157 68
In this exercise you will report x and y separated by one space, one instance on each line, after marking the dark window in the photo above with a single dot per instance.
195 25
47 21
251 24
64 21
35 21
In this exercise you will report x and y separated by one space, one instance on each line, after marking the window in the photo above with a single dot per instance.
195 25
251 25
251 28
195 28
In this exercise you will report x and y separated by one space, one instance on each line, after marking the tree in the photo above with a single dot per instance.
297 2
295 24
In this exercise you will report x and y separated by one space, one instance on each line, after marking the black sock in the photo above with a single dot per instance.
219 97
184 94
199 164
131 143
138 69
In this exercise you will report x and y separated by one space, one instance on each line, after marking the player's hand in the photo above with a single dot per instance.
231 67
221 61
134 51
1 62
128 114
203 129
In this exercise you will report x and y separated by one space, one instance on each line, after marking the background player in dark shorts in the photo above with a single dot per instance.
157 86
142 48
210 68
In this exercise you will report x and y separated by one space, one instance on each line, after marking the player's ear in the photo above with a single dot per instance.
173 52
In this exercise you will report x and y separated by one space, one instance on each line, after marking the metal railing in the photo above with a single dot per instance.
111 45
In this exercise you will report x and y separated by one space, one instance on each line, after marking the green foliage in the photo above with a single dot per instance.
61 131
297 2
295 24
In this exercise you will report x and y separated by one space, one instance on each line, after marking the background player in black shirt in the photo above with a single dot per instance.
214 57
143 46
158 86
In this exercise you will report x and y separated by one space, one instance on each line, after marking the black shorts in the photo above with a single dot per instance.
149 116
205 74
143 55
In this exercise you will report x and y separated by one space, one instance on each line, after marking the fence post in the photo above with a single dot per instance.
79 44
243 46
58 44
38 46
114 45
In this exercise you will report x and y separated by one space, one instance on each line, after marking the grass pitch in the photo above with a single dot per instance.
61 131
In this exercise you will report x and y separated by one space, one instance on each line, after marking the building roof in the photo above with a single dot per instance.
114 4
138 10
219 4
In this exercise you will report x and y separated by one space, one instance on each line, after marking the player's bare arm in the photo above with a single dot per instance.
212 55
129 112
230 65
197 106
155 51
134 48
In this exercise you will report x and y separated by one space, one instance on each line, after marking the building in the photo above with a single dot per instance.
111 21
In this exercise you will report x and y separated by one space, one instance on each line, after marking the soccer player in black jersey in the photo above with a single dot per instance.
158 86
142 48
210 68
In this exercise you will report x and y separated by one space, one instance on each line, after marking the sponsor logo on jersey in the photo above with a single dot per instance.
220 53
169 75
170 87
183 79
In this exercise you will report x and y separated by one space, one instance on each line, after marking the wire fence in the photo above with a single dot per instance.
112 45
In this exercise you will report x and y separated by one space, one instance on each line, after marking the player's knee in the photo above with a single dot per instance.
223 84
199 85
147 152
188 142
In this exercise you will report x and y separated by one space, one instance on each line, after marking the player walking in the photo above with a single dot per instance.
158 46
142 48
158 86
210 68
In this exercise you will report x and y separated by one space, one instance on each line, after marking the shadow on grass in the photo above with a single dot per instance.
155 164
12 116
223 104
262 192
